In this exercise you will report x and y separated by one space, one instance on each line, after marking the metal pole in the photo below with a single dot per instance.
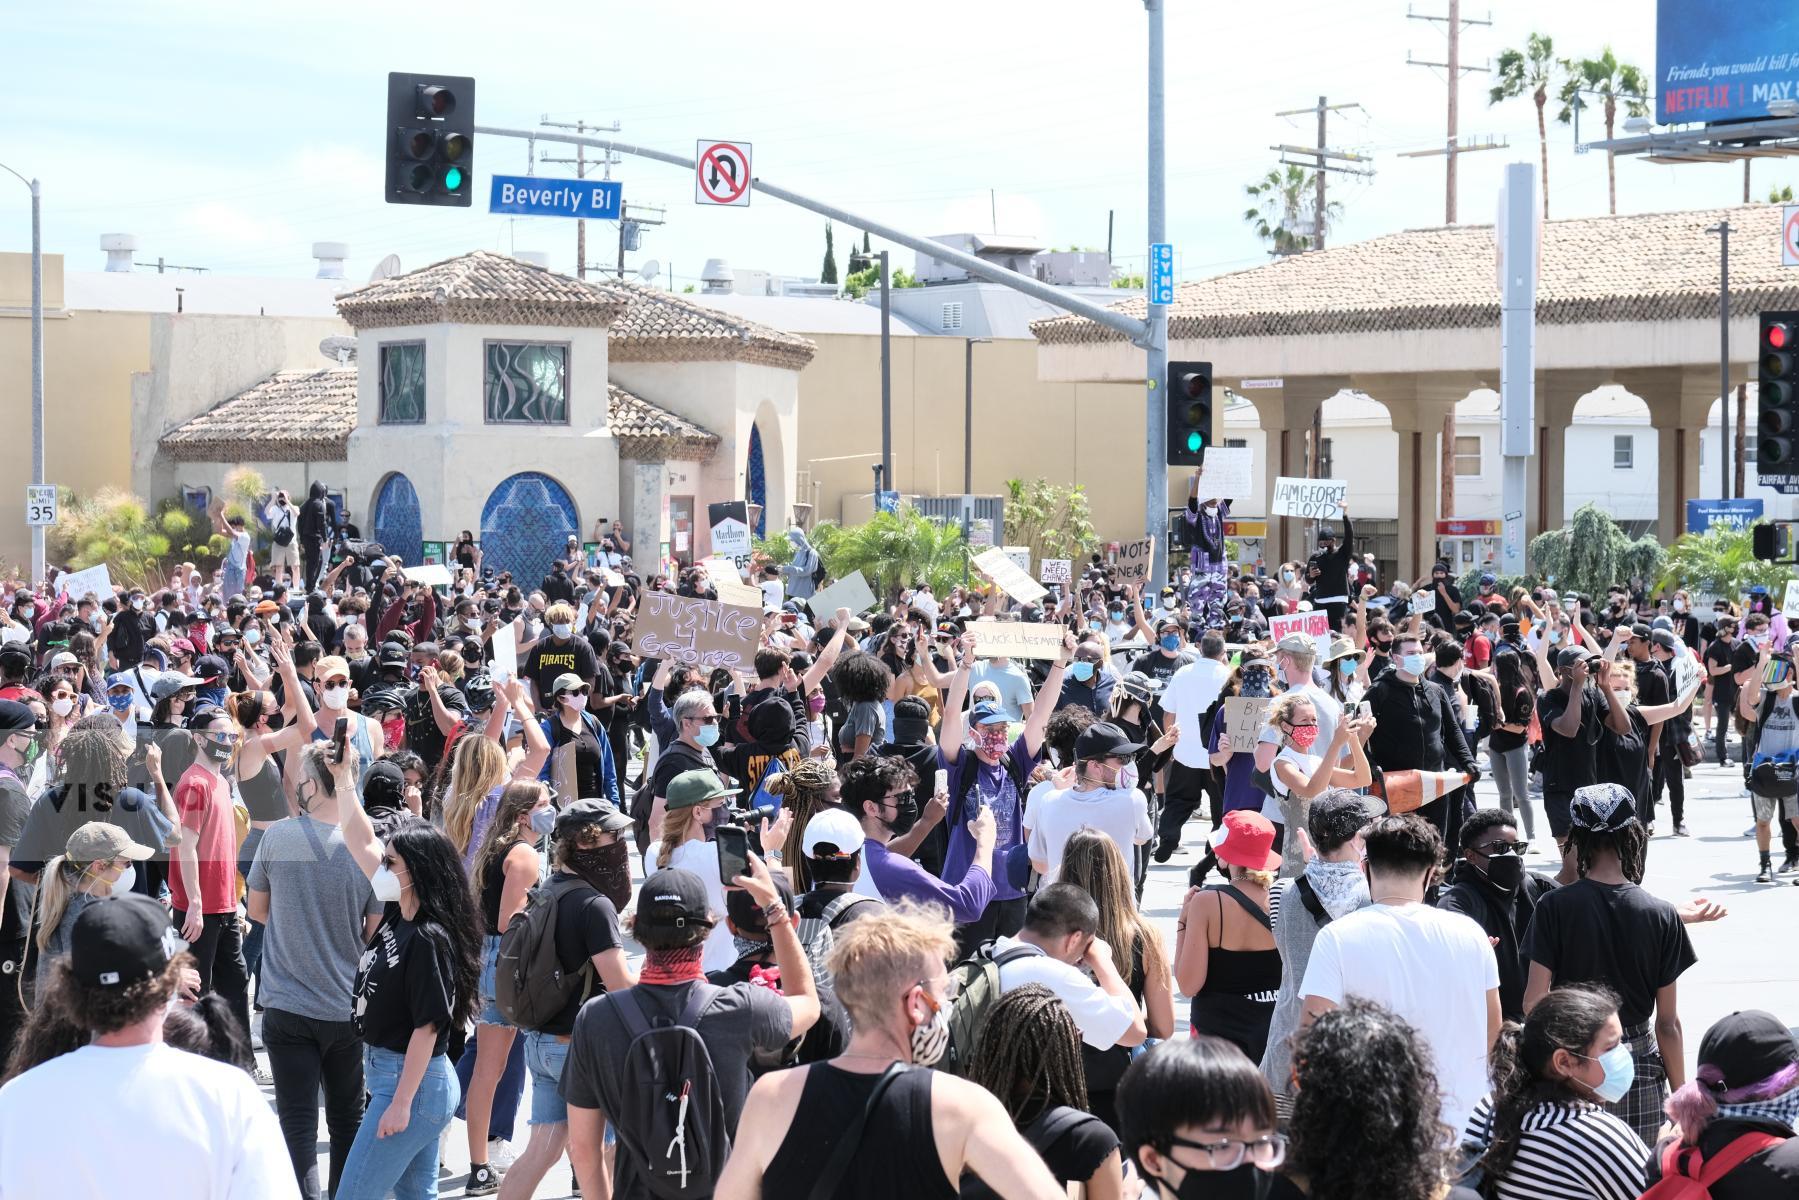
1455 86
967 417
1155 482
1318 216
1724 355
37 369
886 375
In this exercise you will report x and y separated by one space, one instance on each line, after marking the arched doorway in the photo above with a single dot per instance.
525 526
397 525
755 487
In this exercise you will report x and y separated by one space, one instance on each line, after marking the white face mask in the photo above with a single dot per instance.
125 882
62 706
386 885
336 697
562 631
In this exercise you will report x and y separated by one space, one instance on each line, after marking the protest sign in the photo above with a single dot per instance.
729 584
1312 499
1020 555
1056 570
431 574
730 524
1225 474
1244 717
1017 639
851 592
1790 606
701 633
1424 600
505 654
1315 625
720 567
78 584
1134 560
999 566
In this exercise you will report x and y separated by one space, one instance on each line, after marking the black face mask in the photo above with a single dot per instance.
1505 872
1246 1182
905 816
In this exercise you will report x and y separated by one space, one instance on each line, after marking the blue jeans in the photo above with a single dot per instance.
507 1094
406 1162
545 1056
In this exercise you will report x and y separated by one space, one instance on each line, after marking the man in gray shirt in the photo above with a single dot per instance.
319 911
1331 886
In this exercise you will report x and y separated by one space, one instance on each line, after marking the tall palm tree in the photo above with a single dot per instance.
1280 196
1529 71
1615 81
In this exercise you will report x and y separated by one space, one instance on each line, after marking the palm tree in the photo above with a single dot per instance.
1780 195
1276 216
895 550
1721 561
1529 71
1615 81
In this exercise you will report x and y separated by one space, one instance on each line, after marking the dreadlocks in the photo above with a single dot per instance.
1029 1054
1630 844
93 761
805 790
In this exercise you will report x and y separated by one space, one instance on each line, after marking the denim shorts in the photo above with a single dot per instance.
490 962
545 1055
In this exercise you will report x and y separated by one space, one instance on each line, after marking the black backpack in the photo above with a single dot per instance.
530 986
979 991
284 532
669 1112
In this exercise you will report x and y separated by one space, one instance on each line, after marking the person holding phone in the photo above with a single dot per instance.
694 809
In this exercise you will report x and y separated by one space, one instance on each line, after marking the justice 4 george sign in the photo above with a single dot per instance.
700 633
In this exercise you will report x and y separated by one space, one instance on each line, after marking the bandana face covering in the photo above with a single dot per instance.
1782 1108
1341 886
608 869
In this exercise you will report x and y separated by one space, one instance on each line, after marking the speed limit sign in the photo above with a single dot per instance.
40 504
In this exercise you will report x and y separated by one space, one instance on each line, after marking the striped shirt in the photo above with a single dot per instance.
1569 1150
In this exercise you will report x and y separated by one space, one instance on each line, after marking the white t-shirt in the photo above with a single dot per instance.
1102 1018
1303 762
1329 711
1194 689
1434 969
701 857
1052 815
170 1123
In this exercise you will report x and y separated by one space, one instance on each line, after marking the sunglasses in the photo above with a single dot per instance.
580 691
1491 849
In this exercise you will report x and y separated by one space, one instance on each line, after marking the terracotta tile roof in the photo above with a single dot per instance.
484 288
660 326
292 416
648 433
1650 267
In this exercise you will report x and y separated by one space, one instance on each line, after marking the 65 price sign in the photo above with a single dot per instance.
40 504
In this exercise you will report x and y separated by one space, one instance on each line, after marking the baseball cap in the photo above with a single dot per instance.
121 942
97 841
1102 739
1665 639
987 712
583 813
1663 622
384 787
1640 631
170 682
1745 1048
1326 534
1572 655
1297 643
568 681
1602 806
695 787
15 717
831 833
393 655
670 899
330 665
120 679
62 658
1488 579
209 667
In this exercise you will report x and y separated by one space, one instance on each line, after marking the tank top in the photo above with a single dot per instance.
897 1158
263 794
493 882
1236 1002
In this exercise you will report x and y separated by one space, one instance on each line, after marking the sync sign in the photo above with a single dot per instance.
539 196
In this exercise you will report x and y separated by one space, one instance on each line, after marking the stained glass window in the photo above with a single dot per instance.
525 526
402 383
526 383
397 525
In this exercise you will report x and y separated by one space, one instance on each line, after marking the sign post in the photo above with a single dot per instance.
1161 273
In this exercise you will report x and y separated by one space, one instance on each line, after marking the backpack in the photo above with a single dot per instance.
284 532
669 1113
1308 896
978 975
762 801
530 986
1686 1175
819 934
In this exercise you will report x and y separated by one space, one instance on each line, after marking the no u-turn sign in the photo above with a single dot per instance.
722 173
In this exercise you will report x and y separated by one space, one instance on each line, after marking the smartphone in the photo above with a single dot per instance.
942 786
733 852
1363 710
340 737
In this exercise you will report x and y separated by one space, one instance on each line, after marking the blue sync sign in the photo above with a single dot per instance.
1723 60
546 196
1161 273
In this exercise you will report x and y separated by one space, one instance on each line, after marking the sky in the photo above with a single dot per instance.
233 136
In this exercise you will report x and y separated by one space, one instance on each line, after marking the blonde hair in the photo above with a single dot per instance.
1282 708
676 823
1262 879
559 613
61 880
876 959
478 767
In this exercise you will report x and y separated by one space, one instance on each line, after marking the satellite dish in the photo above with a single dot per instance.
387 268
650 271
339 349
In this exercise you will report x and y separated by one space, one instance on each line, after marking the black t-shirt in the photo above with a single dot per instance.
1611 933
549 658
576 770
1743 657
586 925
1624 758
15 811
405 981
1724 687
1770 1172
1570 763
1072 1149
1157 665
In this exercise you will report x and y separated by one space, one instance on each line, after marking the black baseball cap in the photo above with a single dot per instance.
675 899
16 718
1745 1048
746 914
394 655
1572 655
1640 631
1102 739
384 787
210 667
583 813
124 941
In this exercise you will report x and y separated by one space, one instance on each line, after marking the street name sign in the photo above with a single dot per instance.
535 196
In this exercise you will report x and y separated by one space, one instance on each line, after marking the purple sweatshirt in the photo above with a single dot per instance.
898 877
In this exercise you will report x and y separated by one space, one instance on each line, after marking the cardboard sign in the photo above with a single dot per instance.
700 633
851 592
1225 474
1244 718
1020 555
1312 499
1790 605
1017 639
1134 560
505 654
1424 600
999 566
730 524
78 584
431 574
1315 625
1056 570
719 567
729 584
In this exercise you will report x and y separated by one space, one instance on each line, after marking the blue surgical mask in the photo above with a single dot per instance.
1081 670
542 821
1414 664
1346 666
1620 1073
1171 641
707 736
1555 635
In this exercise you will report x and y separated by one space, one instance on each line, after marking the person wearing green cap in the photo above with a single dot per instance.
695 805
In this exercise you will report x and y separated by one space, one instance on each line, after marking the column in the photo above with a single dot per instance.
1418 404
1285 413
1680 401
1557 394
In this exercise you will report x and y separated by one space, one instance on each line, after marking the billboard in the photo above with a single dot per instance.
1724 60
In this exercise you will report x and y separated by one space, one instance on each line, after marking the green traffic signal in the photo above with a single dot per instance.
1195 442
452 179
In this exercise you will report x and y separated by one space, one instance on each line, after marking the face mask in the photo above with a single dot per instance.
1341 886
562 631
1286 577
138 604
1170 641
1081 670
120 703
1680 606
252 636
713 819
1169 605
1117 614
1555 635
125 882
1620 1073
1127 777
1246 1182
386 885
607 868
571 700
931 1039
1256 683
1303 736
1414 664
1096 625
542 821
218 749
995 746
1346 667
707 736
1505 872
336 697
815 704
905 816
62 707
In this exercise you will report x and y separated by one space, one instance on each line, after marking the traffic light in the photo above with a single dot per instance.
1777 447
1189 412
430 139
1772 541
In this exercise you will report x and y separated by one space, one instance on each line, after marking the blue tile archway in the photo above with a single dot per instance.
756 481
397 524
525 526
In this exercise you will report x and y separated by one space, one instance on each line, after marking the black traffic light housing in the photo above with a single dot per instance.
1772 541
430 139
1777 392
1189 398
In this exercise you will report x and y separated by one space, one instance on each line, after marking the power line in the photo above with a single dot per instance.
609 160
1322 163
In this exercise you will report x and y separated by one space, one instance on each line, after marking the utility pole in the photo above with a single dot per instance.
580 165
37 360
1452 147
631 219
1321 163
1722 229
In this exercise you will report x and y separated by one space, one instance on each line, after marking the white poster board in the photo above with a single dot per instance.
78 584
1225 475
1315 625
1056 570
1424 600
1017 639
431 575
505 654
851 592
997 565
1790 605
1020 555
1134 559
1310 499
